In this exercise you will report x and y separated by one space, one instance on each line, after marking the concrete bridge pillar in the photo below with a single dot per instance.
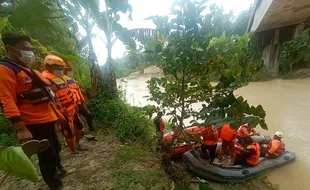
272 42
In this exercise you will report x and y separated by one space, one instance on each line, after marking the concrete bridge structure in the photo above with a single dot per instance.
274 22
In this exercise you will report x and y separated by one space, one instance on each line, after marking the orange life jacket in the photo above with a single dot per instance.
161 125
63 93
276 147
227 133
75 89
210 135
253 159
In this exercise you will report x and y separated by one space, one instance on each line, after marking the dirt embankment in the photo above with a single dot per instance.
109 165
299 74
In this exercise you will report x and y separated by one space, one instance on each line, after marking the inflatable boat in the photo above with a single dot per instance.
179 148
202 168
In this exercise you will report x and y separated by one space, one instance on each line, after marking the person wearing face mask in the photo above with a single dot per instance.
26 102
54 66
80 100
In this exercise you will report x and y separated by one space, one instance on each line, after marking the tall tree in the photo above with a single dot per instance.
49 24
190 63
80 14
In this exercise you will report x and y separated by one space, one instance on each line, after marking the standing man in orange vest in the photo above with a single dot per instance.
228 136
210 140
80 100
160 125
71 130
27 103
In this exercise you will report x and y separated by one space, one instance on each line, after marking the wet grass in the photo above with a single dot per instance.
137 167
129 154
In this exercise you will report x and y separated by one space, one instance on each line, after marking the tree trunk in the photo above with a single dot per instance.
93 69
110 73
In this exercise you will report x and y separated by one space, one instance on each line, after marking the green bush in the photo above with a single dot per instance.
128 122
7 132
295 51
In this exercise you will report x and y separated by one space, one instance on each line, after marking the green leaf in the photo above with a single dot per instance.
3 23
14 161
263 124
260 112
204 187
29 11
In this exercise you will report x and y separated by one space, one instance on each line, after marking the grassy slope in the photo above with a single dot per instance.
112 165
107 165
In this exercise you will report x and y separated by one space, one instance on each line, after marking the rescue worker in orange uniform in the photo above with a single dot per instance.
80 100
209 142
228 136
160 125
246 153
244 131
276 147
28 105
72 131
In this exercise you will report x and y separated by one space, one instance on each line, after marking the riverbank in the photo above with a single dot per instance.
109 164
112 165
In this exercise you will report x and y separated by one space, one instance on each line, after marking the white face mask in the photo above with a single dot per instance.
70 73
27 57
58 73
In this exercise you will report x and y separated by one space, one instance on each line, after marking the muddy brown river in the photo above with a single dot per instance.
287 104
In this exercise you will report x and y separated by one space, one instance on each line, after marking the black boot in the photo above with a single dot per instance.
61 173
57 185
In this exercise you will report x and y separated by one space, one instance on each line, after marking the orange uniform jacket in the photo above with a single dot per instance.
244 131
276 147
253 159
210 135
75 89
14 81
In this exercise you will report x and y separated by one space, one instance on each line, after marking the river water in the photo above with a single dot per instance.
287 104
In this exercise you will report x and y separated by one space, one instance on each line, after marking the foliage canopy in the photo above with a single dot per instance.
191 60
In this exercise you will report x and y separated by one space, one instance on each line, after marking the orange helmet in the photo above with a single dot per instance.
53 60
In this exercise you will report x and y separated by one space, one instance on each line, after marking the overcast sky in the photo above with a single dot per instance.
145 8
